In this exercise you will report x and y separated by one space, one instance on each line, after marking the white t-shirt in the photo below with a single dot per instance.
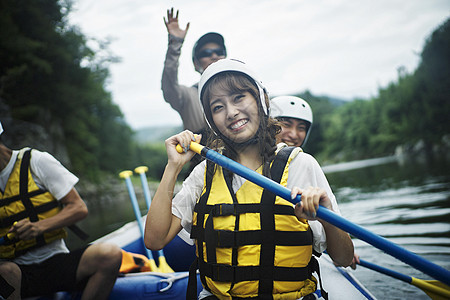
304 171
50 175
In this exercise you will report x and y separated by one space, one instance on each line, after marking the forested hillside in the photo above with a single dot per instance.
51 78
53 96
414 111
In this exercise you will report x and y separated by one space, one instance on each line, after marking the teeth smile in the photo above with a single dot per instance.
238 124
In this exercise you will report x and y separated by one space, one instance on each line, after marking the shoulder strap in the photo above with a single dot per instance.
267 218
25 197
197 231
191 292
25 155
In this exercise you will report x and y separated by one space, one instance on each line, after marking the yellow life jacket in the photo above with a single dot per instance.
23 199
251 244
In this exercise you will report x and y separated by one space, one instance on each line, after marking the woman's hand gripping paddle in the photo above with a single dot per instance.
162 263
126 175
377 241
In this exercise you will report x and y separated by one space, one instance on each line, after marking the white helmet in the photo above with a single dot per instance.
292 107
225 65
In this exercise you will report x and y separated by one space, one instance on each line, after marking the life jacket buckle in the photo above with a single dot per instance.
223 210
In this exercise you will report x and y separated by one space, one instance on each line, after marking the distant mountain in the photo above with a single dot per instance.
336 101
309 97
155 133
331 99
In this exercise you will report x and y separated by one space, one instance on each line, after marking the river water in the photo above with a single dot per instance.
407 202
404 201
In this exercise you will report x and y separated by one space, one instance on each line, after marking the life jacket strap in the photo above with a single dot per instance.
234 239
314 267
7 201
227 273
227 209
191 292
25 198
9 221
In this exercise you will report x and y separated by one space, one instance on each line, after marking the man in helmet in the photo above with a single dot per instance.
296 118
208 49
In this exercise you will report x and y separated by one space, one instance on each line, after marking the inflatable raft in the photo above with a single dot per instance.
338 282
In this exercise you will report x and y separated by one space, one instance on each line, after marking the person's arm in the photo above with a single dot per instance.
339 244
173 93
161 225
74 209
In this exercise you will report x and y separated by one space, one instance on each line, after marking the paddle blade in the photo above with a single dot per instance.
135 262
436 290
164 266
125 174
153 266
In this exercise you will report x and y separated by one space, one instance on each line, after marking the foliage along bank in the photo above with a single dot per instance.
409 115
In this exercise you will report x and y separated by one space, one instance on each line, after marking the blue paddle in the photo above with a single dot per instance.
377 241
162 263
126 175
434 289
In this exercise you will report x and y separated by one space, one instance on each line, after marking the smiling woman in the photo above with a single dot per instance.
268 232
233 110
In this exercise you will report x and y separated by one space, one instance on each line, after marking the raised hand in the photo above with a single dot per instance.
172 25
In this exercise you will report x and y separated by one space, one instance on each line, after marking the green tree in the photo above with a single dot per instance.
49 76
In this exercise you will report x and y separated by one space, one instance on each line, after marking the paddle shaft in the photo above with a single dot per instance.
137 213
377 241
423 284
145 188
385 271
147 196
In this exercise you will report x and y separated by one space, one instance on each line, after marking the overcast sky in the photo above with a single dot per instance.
341 48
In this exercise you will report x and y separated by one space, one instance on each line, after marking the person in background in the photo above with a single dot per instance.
296 118
235 223
38 199
184 99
